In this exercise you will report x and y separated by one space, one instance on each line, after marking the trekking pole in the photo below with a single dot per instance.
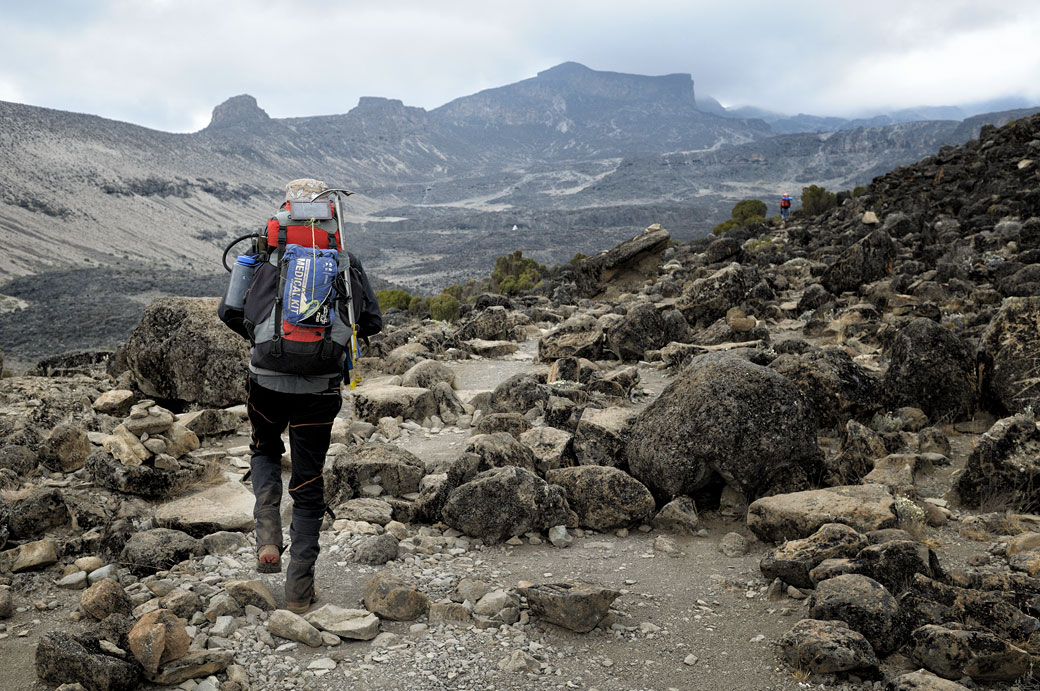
353 352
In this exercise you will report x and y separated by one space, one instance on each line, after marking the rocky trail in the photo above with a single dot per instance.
800 455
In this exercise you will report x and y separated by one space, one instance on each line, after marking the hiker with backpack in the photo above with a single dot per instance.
303 319
785 205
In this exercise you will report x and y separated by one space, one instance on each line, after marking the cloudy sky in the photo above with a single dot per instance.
166 63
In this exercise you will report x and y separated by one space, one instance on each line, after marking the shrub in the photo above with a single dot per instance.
444 307
393 299
725 226
745 211
816 200
417 305
578 257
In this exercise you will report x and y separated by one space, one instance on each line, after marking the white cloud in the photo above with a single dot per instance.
163 63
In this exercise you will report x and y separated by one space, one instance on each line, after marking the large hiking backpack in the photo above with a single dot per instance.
295 311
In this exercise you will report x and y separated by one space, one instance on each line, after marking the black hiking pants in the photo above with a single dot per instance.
309 419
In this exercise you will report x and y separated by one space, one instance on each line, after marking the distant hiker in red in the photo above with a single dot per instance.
303 335
785 206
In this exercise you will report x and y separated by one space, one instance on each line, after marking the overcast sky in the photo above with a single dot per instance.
166 63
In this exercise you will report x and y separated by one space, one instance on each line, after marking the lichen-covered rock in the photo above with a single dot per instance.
725 416
502 502
838 388
65 449
162 353
800 514
642 329
552 448
518 394
1004 466
500 449
61 658
603 497
575 606
894 563
398 471
861 447
36 513
954 653
411 403
579 337
709 298
513 423
932 369
827 647
601 436
866 260
426 373
158 549
144 480
1008 355
862 603
392 598
792 561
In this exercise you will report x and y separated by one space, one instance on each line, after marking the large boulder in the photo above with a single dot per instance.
394 469
144 480
502 502
837 387
932 369
710 298
182 351
954 653
579 336
827 647
793 560
426 373
1008 356
862 603
409 402
604 498
600 437
642 329
518 394
800 514
226 507
724 415
1004 466
500 449
491 324
552 448
629 262
865 261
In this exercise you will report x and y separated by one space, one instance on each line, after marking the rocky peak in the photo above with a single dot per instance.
241 109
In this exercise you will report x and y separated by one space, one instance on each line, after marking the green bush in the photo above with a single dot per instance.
859 191
417 305
444 307
393 299
578 257
745 211
727 225
816 200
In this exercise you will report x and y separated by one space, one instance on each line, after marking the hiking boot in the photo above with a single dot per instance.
269 559
299 587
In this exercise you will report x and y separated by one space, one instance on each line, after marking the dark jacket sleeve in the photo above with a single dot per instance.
234 318
369 317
